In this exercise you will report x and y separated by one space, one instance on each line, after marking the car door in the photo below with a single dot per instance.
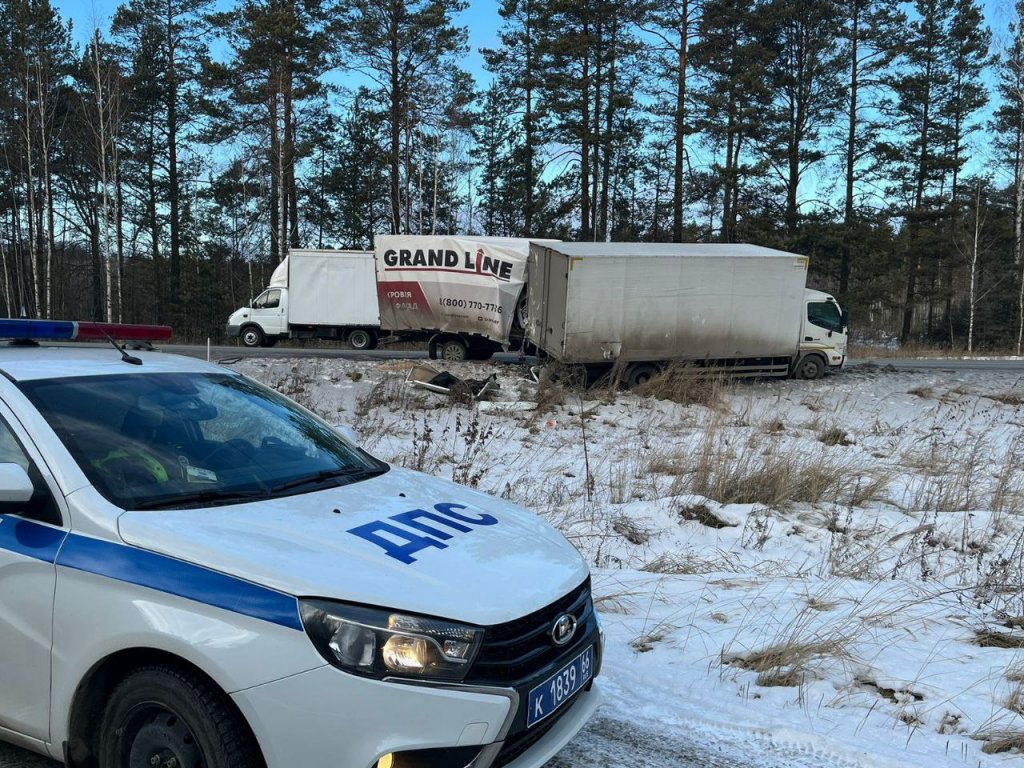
30 536
269 311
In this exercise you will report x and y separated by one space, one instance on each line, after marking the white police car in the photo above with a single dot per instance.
195 572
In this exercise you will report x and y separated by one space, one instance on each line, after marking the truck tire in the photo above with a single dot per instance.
522 313
362 339
452 350
639 374
167 716
252 336
810 367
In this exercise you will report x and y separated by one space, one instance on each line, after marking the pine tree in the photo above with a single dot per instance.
516 66
804 76
410 52
871 30
164 42
279 51
1009 126
733 61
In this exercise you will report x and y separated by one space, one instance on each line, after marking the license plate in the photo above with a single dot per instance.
559 688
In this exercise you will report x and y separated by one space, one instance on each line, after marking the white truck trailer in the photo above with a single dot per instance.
740 308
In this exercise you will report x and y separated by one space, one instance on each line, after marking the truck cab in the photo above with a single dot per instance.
823 336
262 322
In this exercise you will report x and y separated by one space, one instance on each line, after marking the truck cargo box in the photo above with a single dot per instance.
608 302
332 288
460 285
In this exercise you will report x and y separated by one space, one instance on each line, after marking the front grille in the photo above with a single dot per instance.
518 650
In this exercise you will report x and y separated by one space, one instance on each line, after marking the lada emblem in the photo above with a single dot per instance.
563 629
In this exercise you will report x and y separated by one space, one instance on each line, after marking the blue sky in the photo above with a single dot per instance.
481 18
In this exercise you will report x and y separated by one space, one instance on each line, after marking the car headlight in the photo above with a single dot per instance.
379 643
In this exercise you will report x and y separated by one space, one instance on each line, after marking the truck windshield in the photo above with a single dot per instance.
176 440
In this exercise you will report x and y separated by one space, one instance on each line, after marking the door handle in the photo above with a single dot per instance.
808 338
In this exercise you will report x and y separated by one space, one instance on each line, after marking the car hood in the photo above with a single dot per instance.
369 542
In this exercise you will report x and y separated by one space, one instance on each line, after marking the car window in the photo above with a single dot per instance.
825 314
41 506
182 439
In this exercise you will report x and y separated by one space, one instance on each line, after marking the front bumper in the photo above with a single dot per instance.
233 331
326 718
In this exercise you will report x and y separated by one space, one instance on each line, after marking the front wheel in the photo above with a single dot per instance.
162 716
810 367
252 336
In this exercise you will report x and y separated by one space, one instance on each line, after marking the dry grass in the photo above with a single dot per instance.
630 530
987 638
1008 398
687 385
758 473
787 663
999 741
702 514
690 564
834 435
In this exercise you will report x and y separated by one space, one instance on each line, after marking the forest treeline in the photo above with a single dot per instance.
159 171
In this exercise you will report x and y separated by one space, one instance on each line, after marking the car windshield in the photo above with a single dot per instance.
178 440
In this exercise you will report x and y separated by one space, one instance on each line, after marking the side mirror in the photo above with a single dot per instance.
845 319
346 432
15 485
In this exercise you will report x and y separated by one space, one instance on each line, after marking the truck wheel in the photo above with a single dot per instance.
810 367
452 350
252 336
522 314
361 339
432 350
165 716
640 374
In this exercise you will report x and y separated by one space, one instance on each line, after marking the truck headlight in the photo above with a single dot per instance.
379 643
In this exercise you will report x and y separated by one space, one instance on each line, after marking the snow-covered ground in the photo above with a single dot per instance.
793 573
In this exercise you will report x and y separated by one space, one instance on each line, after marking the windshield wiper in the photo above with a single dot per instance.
212 497
354 473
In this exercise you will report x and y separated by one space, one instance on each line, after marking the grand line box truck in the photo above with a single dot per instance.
742 308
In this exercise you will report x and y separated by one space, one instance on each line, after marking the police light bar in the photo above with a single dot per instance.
68 330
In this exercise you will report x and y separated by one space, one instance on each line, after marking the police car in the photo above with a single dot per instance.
196 572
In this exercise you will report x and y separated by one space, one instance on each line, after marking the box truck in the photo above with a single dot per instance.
314 294
463 295
740 308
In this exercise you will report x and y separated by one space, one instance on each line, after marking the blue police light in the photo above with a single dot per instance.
37 329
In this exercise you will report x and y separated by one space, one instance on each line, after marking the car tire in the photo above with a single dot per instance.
452 350
810 367
166 714
252 336
361 339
